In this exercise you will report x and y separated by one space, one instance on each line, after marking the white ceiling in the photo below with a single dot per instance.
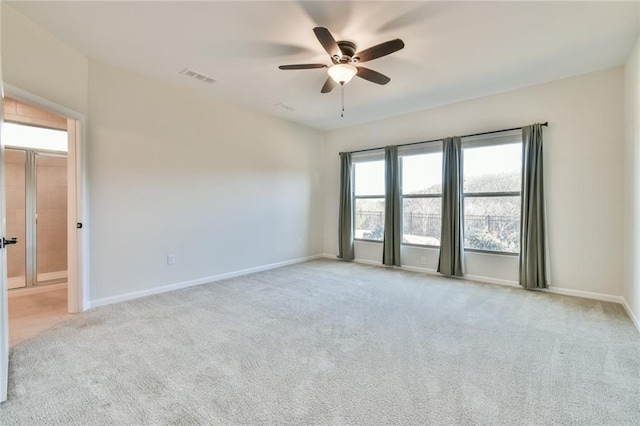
454 50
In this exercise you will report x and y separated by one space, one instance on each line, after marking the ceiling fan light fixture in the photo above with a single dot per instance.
342 73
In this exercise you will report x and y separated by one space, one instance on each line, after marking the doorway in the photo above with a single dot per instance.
36 191
36 207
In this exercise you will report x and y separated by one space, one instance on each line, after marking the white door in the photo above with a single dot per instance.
4 316
4 306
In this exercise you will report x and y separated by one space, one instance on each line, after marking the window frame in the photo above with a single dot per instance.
367 158
428 148
503 138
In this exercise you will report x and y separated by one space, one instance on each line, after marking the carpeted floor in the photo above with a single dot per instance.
328 342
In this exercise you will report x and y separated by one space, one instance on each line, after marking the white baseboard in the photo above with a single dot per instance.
213 278
420 269
35 290
369 262
404 267
489 280
584 294
630 313
552 289
498 281
429 271
198 281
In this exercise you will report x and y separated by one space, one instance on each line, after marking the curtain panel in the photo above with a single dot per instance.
345 219
451 242
533 262
392 209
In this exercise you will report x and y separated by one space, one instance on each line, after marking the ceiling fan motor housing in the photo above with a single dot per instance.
348 49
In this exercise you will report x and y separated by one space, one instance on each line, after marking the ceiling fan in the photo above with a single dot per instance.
345 59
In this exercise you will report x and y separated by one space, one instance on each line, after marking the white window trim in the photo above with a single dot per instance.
504 138
408 151
356 158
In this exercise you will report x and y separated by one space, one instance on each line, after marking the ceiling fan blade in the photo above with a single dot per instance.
373 76
328 85
327 41
379 50
302 66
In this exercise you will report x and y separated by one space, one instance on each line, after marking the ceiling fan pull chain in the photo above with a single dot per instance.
342 95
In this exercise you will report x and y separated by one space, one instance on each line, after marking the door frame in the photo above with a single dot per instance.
77 197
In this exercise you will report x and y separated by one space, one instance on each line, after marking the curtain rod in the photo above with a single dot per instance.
546 123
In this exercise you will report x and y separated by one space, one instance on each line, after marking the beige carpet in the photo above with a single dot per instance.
328 342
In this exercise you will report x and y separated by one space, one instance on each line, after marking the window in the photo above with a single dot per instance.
491 189
369 200
421 189
24 136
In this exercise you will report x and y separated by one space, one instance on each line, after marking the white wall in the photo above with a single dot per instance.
583 174
37 62
632 183
223 188
171 171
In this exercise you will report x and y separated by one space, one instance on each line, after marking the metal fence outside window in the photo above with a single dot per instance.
502 227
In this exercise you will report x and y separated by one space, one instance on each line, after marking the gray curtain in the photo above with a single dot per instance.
451 244
392 209
345 219
532 226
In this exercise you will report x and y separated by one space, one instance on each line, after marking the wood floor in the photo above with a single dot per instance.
31 315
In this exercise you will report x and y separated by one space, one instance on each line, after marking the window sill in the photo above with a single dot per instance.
362 240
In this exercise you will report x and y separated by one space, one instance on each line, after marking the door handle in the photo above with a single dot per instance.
6 242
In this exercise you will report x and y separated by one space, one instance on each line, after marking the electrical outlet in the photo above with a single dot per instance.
171 259
423 260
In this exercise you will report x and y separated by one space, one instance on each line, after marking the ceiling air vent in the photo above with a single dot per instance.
198 76
285 106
